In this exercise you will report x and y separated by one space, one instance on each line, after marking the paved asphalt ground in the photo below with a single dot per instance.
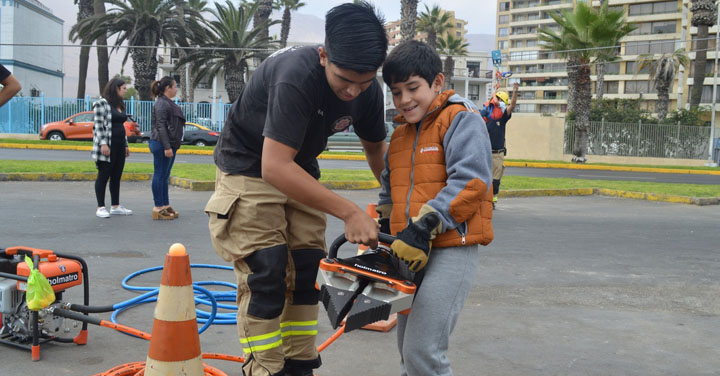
570 286
69 155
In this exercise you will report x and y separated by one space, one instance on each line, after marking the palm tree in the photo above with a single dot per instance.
194 27
230 32
102 52
584 32
408 15
261 17
435 22
704 15
662 74
143 24
85 10
451 46
287 6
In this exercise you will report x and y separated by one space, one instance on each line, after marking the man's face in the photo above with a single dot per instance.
412 98
347 84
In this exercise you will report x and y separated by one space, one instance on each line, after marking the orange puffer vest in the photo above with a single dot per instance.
418 173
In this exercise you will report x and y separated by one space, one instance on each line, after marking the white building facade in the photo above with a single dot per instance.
39 69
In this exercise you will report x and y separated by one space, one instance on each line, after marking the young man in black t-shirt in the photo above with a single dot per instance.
10 84
267 214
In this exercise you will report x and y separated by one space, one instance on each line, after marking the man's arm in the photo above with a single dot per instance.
11 86
511 108
280 170
375 152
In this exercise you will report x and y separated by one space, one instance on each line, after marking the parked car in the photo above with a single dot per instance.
80 127
194 134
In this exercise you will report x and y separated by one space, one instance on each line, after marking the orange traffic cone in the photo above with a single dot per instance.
175 343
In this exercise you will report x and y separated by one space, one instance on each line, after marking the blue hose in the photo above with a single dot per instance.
205 297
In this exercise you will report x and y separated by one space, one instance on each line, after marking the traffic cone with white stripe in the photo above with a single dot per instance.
175 343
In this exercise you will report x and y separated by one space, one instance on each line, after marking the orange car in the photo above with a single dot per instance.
80 127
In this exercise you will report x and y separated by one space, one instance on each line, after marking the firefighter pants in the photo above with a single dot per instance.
275 244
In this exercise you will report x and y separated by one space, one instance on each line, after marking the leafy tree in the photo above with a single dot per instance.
408 16
662 74
696 116
235 42
435 22
704 15
261 21
85 10
143 24
451 46
583 34
618 111
287 7
195 29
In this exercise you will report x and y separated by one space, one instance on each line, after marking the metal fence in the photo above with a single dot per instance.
642 140
26 115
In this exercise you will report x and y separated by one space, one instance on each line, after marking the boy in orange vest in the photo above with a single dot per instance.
435 197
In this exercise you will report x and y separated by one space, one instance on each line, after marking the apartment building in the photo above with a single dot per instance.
663 27
457 30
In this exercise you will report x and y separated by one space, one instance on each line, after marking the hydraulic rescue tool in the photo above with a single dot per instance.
25 328
363 289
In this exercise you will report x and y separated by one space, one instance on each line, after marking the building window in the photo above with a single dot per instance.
639 87
708 69
548 108
527 95
474 92
517 43
710 43
612 68
706 94
502 45
657 27
611 87
503 32
473 69
525 107
504 6
653 8
503 19
650 47
531 43
631 68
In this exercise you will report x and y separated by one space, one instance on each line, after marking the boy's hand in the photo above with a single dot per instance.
361 228
414 243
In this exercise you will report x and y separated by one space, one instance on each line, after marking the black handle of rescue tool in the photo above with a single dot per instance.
332 252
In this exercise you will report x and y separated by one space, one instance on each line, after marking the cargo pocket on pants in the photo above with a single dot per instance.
220 209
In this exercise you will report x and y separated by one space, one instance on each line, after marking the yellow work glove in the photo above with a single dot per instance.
414 243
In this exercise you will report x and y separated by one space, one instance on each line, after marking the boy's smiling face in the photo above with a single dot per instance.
412 98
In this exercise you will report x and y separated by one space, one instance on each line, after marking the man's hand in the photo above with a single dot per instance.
361 228
515 87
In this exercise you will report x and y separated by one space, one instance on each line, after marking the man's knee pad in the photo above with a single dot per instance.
306 268
267 281
496 186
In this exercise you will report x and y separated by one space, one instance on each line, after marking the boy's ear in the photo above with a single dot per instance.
438 83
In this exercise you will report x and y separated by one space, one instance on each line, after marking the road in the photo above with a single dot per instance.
69 155
578 286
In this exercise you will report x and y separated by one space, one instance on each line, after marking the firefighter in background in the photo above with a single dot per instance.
496 113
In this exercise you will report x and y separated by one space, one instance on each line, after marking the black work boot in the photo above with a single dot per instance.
301 367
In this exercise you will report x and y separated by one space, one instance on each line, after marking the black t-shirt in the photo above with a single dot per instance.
288 99
118 125
496 129
4 73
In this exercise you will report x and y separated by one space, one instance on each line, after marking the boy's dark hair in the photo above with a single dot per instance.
110 93
355 37
411 58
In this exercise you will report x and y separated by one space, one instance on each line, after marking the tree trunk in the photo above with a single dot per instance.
572 73
700 62
234 80
184 84
145 66
663 89
448 69
85 10
581 106
285 29
600 82
408 13
263 14
102 52
432 39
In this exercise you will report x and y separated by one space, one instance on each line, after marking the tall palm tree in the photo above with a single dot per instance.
584 32
85 10
451 46
261 17
194 27
102 52
408 16
236 41
143 24
435 22
287 7
662 74
704 15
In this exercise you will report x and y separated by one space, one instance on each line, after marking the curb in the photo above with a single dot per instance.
194 185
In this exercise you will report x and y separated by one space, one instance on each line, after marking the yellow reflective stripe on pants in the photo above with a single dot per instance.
261 342
299 328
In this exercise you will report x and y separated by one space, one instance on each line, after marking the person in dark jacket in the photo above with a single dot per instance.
166 134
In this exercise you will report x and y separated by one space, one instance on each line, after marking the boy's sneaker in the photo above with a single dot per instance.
120 210
102 213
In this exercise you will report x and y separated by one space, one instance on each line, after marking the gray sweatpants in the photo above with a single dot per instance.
424 334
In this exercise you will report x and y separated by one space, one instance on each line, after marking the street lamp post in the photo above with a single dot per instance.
710 161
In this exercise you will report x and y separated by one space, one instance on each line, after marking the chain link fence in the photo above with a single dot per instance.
642 140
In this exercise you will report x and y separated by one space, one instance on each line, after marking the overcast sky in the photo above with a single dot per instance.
480 15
